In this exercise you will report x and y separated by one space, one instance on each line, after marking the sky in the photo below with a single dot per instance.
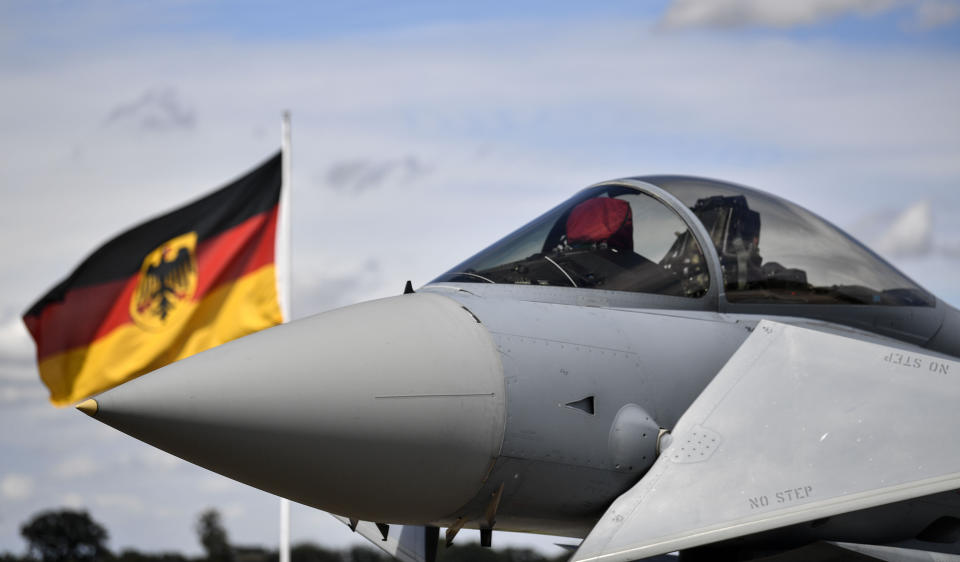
422 132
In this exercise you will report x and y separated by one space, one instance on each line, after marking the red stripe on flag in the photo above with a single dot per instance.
73 321
243 249
89 313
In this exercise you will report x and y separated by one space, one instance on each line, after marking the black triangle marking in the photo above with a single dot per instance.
584 405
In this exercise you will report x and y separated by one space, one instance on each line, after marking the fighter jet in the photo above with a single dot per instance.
659 364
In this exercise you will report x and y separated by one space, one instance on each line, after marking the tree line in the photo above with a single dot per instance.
73 536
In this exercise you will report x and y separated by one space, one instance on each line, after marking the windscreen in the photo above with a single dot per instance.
774 251
610 237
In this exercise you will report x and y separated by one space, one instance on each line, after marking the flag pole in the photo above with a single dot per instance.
284 255
285 286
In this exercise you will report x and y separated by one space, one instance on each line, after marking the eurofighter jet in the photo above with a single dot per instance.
659 364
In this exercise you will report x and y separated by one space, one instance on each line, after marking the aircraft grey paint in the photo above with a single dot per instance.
797 456
352 396
536 383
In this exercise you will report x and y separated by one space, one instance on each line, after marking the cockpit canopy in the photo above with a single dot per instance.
612 237
621 237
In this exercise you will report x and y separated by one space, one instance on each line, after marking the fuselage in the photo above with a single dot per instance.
570 369
531 385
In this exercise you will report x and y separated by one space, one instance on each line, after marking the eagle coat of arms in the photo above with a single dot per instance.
166 282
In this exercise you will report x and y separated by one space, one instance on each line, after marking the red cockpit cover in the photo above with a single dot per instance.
602 219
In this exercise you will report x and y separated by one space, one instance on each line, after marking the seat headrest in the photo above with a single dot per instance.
601 219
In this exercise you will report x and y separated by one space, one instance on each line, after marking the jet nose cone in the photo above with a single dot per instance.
390 410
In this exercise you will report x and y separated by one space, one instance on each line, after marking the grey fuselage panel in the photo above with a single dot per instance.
557 463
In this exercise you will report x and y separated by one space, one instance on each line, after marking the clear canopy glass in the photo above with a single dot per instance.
610 237
772 251
620 239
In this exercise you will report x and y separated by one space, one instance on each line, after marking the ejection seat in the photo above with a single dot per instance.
599 250
602 222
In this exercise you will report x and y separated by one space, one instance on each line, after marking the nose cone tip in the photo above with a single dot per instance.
89 407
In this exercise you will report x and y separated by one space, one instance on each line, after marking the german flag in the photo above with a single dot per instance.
189 280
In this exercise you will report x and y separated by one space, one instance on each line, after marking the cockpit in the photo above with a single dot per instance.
613 238
648 235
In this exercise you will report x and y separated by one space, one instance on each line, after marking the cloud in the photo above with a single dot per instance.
951 249
925 14
162 461
10 393
357 176
73 500
157 109
15 343
216 484
141 460
76 467
145 460
233 510
122 502
934 13
16 486
335 287
910 234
